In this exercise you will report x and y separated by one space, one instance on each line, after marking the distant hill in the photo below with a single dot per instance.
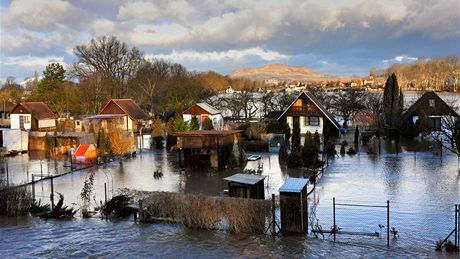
283 73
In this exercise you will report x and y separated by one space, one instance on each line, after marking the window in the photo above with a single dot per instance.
432 103
26 119
435 124
122 121
311 121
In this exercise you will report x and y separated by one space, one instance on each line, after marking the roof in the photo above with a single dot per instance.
441 107
39 109
204 106
130 108
106 116
82 149
318 104
202 133
250 179
293 185
273 115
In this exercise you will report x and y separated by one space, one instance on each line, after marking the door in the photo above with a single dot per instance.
21 122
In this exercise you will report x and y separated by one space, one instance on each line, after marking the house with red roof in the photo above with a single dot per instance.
32 116
203 111
86 154
122 113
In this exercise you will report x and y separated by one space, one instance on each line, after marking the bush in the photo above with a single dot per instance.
310 151
207 124
330 149
283 153
14 201
294 159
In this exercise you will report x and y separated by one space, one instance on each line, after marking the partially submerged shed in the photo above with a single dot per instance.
204 149
86 154
294 205
246 186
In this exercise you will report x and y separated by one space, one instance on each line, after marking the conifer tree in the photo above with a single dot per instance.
296 137
207 124
393 101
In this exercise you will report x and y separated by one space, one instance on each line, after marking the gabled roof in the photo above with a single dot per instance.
250 179
204 106
318 104
82 149
39 110
422 104
129 107
293 185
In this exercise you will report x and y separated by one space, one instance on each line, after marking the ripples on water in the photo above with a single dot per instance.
422 192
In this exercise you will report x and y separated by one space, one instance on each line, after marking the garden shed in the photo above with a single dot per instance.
86 154
294 205
246 186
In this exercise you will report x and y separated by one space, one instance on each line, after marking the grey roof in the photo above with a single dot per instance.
106 116
293 185
245 178
208 108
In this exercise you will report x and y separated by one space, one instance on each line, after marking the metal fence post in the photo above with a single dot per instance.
273 215
456 226
52 194
333 213
388 223
33 187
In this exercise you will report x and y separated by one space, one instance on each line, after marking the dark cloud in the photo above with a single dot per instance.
344 37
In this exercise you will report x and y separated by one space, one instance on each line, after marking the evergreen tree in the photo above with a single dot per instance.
283 152
295 137
194 123
207 124
393 101
170 138
103 143
310 151
294 159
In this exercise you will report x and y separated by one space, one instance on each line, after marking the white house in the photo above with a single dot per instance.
202 111
27 115
311 116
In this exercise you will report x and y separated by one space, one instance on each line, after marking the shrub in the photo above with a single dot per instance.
294 159
310 151
330 148
207 124
283 153
14 201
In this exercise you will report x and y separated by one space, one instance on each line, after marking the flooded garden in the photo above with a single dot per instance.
421 184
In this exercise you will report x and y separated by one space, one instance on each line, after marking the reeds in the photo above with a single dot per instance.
14 201
207 212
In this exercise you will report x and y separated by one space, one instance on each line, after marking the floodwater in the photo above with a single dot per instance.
422 188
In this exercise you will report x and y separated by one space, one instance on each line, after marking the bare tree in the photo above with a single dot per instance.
110 58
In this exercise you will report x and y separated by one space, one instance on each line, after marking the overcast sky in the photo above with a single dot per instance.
335 37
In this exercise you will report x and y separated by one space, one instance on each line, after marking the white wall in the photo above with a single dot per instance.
15 139
46 123
306 128
217 121
15 121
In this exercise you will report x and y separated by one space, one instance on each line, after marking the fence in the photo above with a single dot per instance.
394 224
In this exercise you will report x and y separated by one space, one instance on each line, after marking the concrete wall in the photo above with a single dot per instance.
15 139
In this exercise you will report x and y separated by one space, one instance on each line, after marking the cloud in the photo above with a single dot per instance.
344 33
222 56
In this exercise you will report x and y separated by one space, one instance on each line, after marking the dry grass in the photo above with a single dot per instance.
207 212
14 201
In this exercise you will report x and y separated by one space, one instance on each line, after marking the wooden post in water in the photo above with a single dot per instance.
333 216
7 175
388 223
456 226
141 209
41 168
273 215
33 187
52 194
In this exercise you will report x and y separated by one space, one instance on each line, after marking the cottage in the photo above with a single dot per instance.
246 186
204 149
122 113
86 154
311 116
203 111
32 116
293 205
431 106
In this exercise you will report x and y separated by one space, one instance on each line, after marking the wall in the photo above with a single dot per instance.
306 128
15 121
15 139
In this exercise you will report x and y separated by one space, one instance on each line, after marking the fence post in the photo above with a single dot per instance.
456 226
388 223
273 215
52 194
105 192
141 209
333 216
33 187
7 175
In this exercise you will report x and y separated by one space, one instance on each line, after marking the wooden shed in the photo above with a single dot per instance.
205 149
246 186
294 205
86 154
